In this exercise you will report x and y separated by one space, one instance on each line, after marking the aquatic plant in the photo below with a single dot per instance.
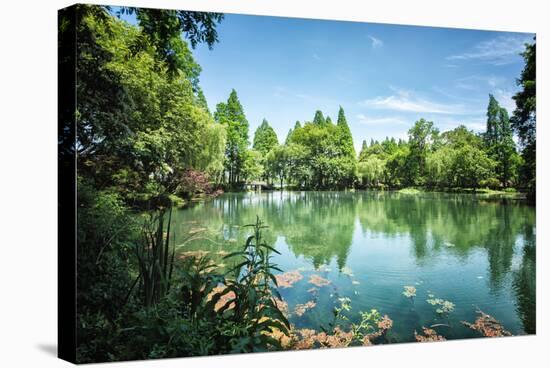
287 279
372 326
155 258
444 306
430 335
254 310
318 281
300 309
313 290
310 339
487 325
345 305
410 291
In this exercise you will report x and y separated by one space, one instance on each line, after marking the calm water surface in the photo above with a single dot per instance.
470 251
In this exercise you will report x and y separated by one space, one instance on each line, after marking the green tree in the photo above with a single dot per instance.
492 133
345 142
421 137
319 119
231 115
142 141
201 101
299 165
364 148
346 139
265 138
372 171
525 116
164 29
499 142
278 162
252 166
471 166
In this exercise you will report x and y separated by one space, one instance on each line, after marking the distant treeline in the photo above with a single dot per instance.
320 154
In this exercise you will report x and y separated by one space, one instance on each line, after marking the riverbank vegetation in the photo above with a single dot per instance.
147 140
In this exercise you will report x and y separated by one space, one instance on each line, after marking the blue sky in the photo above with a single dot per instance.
384 76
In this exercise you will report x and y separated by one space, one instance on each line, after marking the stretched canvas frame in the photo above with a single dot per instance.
516 270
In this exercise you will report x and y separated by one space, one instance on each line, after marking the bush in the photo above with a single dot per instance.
492 183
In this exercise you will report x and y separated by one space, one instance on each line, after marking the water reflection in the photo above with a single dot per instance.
324 227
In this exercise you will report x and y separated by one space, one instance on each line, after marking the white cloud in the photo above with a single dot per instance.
316 57
404 101
504 98
501 50
390 120
375 42
476 123
473 82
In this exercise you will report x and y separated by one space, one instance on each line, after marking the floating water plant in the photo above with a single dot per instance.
318 281
443 306
446 307
308 339
313 290
429 335
287 279
434 301
300 309
410 291
488 326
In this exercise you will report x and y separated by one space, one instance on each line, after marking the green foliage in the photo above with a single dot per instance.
155 258
105 234
278 162
253 307
265 138
421 138
372 171
139 125
201 101
252 169
500 144
231 115
525 116
322 161
453 159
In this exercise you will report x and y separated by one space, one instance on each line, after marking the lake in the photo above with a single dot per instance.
466 249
